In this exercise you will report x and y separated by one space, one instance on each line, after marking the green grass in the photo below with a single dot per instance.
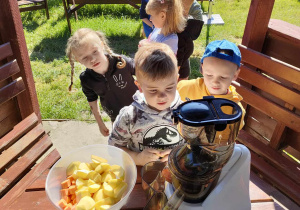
46 40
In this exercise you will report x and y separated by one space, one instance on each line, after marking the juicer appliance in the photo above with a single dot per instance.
209 171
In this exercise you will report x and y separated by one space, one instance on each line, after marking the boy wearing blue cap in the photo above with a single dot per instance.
220 65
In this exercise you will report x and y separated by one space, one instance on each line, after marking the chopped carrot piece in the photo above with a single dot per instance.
73 182
68 207
65 184
73 196
72 189
71 178
64 192
62 203
74 201
67 198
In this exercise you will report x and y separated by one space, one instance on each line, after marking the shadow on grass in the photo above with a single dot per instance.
29 22
54 47
195 64
114 11
51 48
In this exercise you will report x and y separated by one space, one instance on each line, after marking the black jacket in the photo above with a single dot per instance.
115 89
185 39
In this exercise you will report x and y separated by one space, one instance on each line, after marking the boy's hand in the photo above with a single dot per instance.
164 155
147 155
103 129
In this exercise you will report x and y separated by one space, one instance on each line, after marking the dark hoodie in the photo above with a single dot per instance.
185 41
115 88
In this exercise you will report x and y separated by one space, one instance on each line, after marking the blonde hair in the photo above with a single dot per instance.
175 21
155 61
80 37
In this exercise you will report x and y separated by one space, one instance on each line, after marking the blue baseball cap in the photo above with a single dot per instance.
214 49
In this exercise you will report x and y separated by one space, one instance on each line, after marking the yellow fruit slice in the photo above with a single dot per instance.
119 190
114 182
72 167
94 188
86 203
99 195
97 159
108 190
117 170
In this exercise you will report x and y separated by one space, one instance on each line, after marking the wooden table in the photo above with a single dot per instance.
34 195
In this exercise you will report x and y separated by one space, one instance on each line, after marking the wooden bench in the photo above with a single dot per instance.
23 141
270 89
31 5
77 4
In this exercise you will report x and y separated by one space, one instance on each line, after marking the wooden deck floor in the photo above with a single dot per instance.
265 197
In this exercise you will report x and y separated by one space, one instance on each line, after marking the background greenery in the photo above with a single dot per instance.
46 41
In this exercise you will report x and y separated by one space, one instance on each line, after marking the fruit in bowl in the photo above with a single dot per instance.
92 177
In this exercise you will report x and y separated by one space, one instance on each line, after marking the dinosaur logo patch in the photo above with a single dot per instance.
160 137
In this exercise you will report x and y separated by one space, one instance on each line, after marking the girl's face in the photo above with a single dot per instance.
91 55
160 93
158 19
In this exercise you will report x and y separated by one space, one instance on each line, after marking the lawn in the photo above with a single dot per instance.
46 41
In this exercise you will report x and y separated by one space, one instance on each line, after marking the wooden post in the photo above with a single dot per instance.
11 30
257 23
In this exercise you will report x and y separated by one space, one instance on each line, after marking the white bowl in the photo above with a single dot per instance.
112 154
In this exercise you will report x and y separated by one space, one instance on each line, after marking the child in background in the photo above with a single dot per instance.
147 24
107 75
192 11
167 17
145 129
220 65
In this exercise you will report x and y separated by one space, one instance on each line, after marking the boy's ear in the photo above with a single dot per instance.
236 74
138 85
200 68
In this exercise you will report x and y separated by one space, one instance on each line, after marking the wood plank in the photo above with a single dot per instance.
5 51
27 180
268 107
278 179
278 136
9 69
137 198
257 23
289 168
19 130
39 183
293 152
261 123
268 85
10 19
8 123
293 139
32 8
282 49
24 164
32 200
21 146
6 109
270 65
285 29
11 90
